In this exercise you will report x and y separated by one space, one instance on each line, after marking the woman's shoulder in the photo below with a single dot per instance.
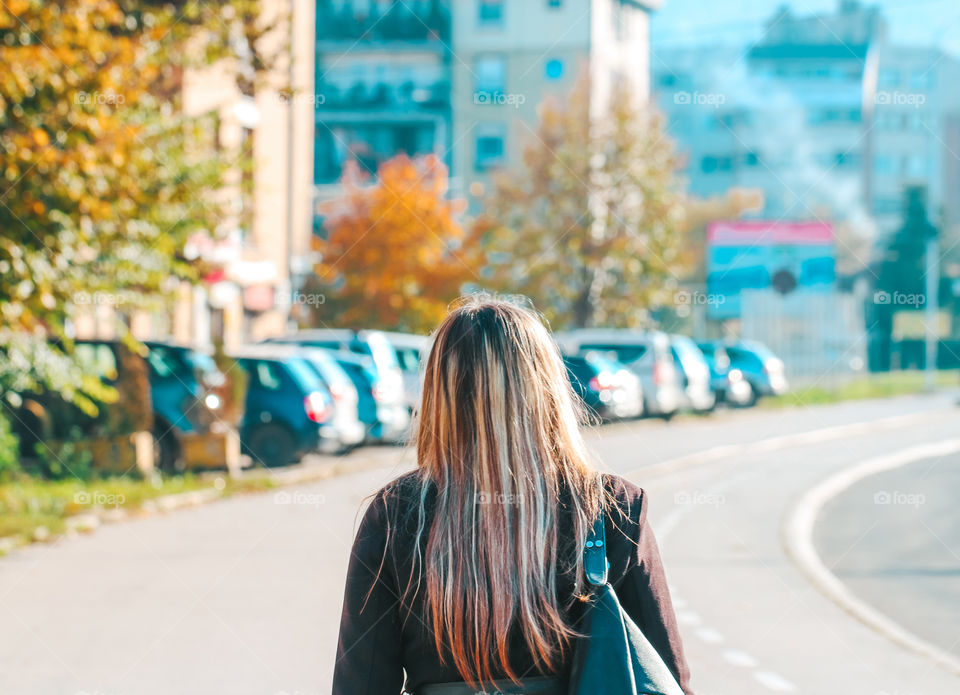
629 498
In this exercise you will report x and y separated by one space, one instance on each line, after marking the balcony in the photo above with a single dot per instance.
406 97
402 21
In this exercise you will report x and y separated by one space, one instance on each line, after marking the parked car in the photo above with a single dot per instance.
727 383
606 388
694 372
761 369
288 411
372 344
381 405
351 432
411 353
645 353
180 382
180 404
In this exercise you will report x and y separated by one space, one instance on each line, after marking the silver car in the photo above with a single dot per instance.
694 373
646 353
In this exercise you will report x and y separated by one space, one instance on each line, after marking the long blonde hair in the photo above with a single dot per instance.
499 440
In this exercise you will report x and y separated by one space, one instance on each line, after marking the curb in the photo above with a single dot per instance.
798 542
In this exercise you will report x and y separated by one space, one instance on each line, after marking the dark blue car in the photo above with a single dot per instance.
288 411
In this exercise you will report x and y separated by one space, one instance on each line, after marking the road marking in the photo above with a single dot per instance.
774 681
785 441
739 658
688 618
798 541
709 635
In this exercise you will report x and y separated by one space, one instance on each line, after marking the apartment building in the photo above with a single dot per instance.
824 115
382 84
509 55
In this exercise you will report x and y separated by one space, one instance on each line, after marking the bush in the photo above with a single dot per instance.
64 460
9 450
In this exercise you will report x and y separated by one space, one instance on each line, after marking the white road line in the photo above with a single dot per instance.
798 541
709 635
786 441
738 657
774 681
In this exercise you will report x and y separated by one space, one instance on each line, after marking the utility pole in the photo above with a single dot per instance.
930 308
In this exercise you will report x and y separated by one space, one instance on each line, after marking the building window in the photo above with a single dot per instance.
553 70
915 166
709 164
489 149
554 4
490 74
490 13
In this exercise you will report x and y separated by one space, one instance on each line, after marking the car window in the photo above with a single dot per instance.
268 376
381 350
621 353
162 362
409 359
304 375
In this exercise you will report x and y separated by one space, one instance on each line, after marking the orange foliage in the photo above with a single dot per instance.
395 253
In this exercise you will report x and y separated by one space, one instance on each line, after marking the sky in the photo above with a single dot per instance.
911 22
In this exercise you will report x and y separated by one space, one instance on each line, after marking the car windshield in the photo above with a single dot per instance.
759 349
382 351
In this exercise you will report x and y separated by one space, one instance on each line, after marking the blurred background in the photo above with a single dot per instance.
227 230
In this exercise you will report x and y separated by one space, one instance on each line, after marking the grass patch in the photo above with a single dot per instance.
33 508
880 385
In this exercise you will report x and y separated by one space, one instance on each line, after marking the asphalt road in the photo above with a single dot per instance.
894 539
243 596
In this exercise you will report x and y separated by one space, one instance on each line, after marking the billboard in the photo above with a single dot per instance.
757 255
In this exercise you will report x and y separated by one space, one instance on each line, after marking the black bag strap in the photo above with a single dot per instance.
595 553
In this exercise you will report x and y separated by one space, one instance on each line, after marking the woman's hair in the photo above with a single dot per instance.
499 441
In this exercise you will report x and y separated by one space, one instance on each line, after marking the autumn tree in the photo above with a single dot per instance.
102 177
394 254
589 225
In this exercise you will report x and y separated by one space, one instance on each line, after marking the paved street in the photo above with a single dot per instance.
894 538
243 596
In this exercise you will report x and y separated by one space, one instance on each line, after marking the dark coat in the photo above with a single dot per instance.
379 640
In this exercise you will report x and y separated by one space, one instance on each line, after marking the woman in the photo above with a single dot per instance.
470 568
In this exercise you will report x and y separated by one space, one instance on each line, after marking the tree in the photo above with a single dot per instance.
394 255
590 226
102 176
